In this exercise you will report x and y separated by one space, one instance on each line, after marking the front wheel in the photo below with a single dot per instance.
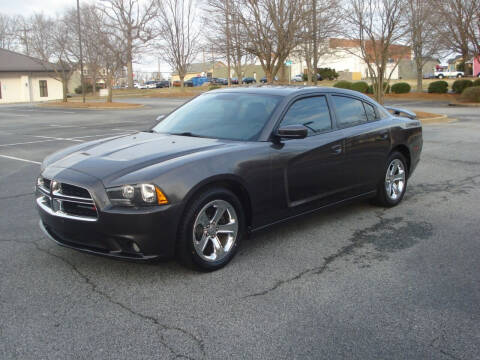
211 230
392 187
459 76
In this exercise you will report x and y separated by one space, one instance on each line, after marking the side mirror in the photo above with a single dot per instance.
292 132
160 118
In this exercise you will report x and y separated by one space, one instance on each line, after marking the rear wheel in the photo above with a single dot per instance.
392 187
211 230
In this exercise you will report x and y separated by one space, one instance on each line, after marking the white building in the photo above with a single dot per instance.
26 79
343 56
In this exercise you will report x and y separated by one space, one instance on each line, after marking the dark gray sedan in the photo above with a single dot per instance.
226 163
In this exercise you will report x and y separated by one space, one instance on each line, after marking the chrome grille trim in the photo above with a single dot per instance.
52 202
42 203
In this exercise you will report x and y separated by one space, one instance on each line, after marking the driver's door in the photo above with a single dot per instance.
310 169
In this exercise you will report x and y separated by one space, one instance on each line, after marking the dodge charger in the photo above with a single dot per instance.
227 163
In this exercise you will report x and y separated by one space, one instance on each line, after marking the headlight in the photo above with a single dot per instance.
137 195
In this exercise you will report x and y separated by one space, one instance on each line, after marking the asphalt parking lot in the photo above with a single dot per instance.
358 282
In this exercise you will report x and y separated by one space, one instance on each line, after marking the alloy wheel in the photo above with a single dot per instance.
395 179
215 230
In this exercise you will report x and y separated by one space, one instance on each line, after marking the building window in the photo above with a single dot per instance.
43 88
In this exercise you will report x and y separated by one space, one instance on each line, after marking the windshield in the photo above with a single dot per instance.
231 116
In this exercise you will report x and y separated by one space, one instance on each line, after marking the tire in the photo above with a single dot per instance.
387 196
459 76
219 238
440 76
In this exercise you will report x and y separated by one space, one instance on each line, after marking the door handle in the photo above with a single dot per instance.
336 149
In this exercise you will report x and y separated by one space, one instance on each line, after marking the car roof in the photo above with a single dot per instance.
290 90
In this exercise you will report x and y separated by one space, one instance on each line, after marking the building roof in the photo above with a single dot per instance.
11 61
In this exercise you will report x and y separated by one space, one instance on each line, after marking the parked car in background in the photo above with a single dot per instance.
443 72
151 84
139 86
163 84
298 78
226 163
249 80
263 80
234 81
186 83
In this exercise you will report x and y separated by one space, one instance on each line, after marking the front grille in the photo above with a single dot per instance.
71 201
74 208
46 183
72 190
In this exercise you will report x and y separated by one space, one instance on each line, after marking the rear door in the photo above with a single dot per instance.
367 142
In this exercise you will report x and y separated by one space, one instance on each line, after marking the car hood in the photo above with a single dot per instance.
116 157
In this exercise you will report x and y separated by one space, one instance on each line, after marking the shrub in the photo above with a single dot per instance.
360 86
327 73
88 88
460 85
401 88
385 87
213 87
476 82
438 87
343 84
471 94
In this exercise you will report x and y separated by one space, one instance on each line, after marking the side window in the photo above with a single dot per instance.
311 112
43 88
349 111
370 110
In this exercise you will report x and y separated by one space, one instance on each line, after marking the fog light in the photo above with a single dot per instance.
149 195
128 192
40 181
135 247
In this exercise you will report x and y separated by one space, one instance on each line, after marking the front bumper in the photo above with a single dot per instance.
137 234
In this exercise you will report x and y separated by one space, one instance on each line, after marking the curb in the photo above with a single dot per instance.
464 104
135 106
437 119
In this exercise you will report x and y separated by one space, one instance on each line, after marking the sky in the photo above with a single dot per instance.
148 63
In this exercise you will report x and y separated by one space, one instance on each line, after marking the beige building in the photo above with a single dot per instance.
25 79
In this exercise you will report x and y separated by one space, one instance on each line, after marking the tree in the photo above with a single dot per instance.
108 50
322 22
454 21
133 24
178 34
375 27
8 32
421 34
271 29
50 40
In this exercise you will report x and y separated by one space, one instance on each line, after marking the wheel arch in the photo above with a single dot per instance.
227 181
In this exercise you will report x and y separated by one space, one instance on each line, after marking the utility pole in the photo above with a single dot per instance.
81 54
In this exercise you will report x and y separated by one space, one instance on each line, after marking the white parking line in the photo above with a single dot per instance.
27 142
56 138
18 115
19 159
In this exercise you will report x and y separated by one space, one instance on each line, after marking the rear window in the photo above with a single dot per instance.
350 111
